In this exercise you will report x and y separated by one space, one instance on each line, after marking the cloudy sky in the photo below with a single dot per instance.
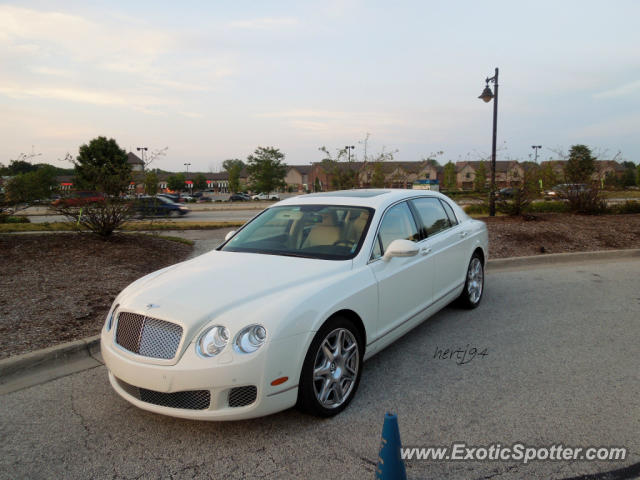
212 80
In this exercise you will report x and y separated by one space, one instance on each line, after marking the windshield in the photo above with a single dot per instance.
329 232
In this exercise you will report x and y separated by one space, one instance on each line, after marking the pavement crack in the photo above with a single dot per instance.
83 422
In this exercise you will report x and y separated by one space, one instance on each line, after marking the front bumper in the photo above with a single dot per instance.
219 376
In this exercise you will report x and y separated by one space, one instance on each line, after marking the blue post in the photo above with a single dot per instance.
390 464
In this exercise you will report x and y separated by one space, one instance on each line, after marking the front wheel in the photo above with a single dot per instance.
474 284
332 369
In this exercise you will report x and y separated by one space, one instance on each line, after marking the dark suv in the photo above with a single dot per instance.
159 206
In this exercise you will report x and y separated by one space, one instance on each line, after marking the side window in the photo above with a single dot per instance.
449 210
434 219
397 223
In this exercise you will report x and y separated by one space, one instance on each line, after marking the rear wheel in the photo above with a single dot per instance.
332 369
474 283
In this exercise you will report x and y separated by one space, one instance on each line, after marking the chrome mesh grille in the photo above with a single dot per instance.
148 336
190 399
242 396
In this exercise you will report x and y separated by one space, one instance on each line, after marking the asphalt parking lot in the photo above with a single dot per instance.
561 367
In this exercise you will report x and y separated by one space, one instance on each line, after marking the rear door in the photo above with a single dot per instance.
444 238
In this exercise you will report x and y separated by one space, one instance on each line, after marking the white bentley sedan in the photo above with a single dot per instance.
289 307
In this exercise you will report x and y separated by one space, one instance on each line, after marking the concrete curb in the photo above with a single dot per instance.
37 367
558 258
30 369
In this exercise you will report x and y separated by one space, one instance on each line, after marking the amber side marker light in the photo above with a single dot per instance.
279 381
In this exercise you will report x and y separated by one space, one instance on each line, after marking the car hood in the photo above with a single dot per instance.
193 293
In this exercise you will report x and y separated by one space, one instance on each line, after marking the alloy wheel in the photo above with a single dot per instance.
336 368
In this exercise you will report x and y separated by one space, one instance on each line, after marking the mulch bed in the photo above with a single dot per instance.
55 288
561 233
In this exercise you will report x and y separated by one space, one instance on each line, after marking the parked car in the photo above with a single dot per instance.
239 197
159 206
286 310
187 199
79 198
564 189
203 199
266 196
507 192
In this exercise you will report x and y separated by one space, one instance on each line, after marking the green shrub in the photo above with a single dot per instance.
630 206
10 219
588 201
477 209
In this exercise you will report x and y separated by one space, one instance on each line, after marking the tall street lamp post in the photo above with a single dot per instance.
142 150
487 95
187 165
348 148
536 148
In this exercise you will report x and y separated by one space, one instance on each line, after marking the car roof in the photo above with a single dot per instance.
374 198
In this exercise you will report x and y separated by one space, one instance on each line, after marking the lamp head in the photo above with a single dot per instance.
486 94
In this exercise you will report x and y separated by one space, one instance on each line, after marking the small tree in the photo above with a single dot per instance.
638 176
102 166
151 183
523 194
377 179
480 180
342 174
629 177
580 165
316 185
266 169
200 182
25 188
449 176
176 182
234 168
548 176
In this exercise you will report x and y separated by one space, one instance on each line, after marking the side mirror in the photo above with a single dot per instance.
401 248
229 235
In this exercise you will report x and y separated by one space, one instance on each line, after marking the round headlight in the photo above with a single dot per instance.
250 339
111 317
212 341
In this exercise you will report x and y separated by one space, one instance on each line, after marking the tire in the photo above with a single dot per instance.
335 383
174 214
474 284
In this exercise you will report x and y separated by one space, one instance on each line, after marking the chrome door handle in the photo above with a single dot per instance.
464 234
425 251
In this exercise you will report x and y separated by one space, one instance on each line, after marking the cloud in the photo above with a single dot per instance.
626 90
264 23
48 32
128 64
191 114
94 97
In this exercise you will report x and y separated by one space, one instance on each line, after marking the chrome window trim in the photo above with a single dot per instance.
373 260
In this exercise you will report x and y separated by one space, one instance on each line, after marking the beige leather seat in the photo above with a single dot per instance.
325 233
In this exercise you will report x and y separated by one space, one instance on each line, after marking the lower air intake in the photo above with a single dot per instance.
242 396
189 400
